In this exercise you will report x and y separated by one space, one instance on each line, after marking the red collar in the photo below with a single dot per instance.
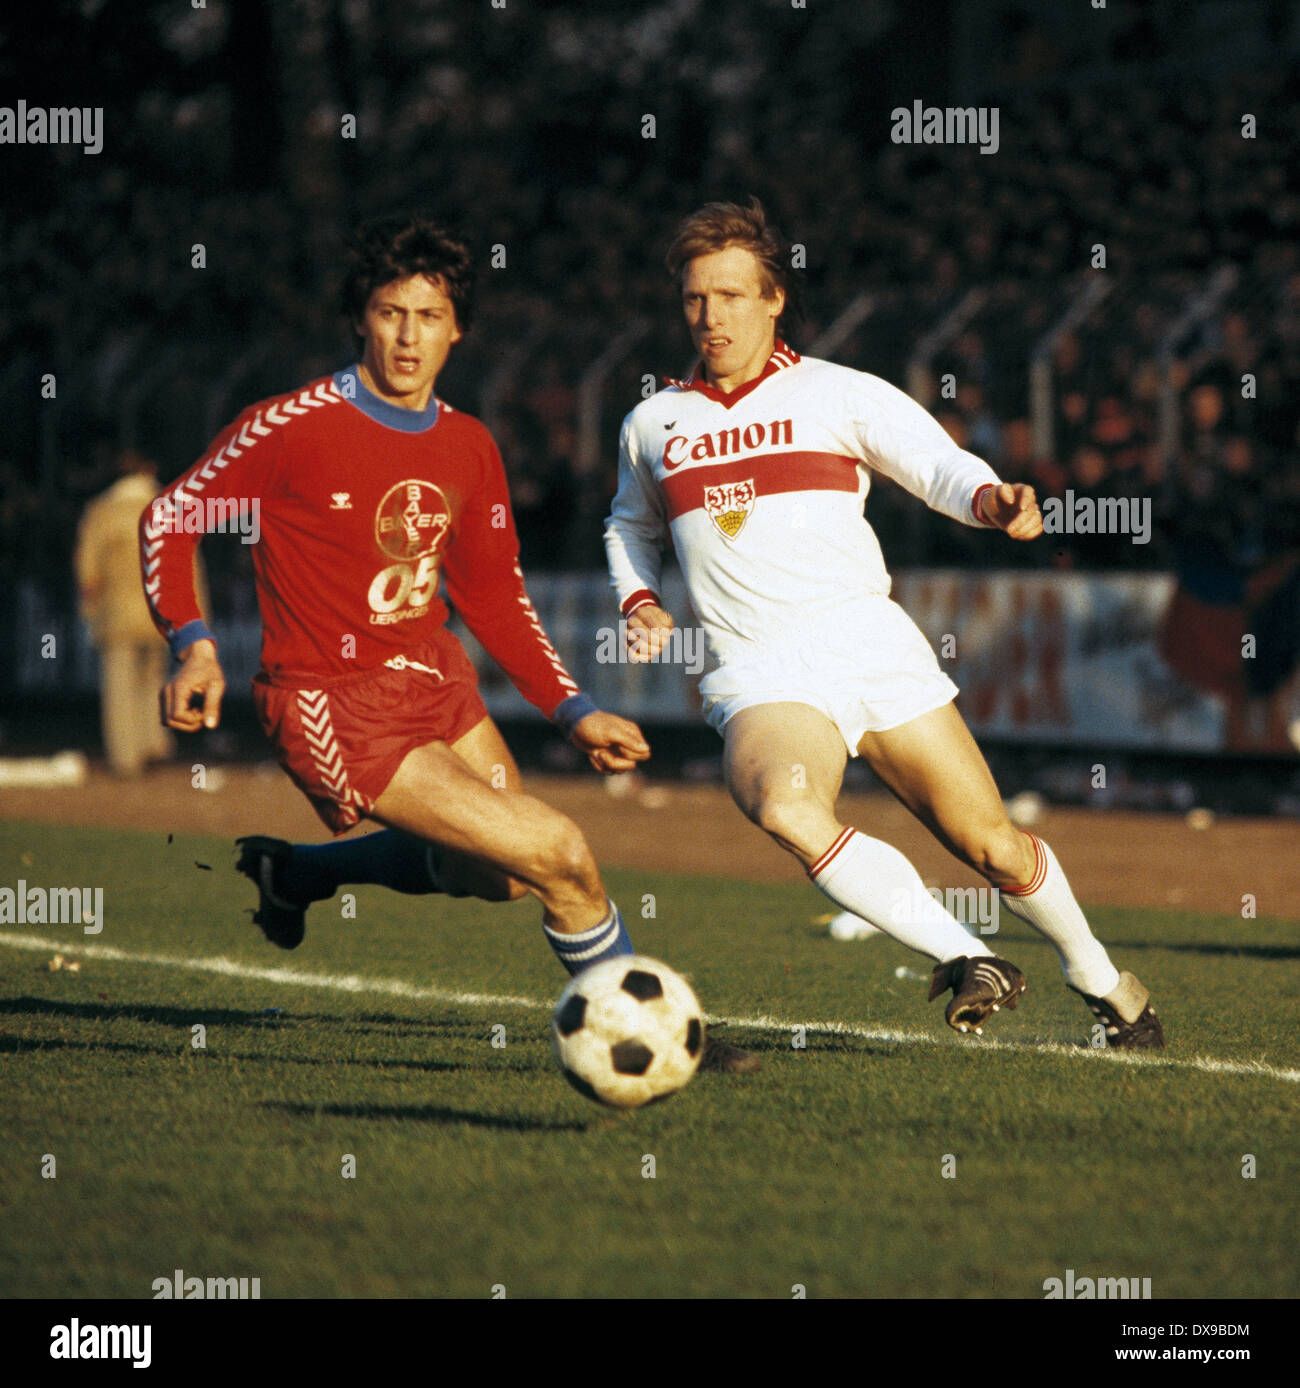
782 357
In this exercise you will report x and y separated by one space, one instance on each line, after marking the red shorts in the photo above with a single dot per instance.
342 742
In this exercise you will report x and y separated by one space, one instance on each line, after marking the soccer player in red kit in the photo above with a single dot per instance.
367 490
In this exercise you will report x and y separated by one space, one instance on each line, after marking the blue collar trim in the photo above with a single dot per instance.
355 391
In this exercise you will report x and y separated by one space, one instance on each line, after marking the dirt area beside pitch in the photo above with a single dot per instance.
1114 858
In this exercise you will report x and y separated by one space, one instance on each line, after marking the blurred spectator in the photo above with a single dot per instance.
532 149
133 658
1233 624
985 438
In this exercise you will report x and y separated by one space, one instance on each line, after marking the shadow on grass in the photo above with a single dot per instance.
185 1017
335 1061
428 1113
16 1045
1230 951
1279 952
455 1028
181 1019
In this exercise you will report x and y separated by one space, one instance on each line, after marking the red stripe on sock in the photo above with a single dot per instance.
1040 870
828 857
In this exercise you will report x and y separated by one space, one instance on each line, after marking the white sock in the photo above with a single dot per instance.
875 881
1048 904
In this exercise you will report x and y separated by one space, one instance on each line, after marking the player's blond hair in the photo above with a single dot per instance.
718 225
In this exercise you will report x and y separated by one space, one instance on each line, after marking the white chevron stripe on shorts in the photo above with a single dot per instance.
326 755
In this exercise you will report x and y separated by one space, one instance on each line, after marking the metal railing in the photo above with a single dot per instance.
591 391
1199 307
1094 290
920 384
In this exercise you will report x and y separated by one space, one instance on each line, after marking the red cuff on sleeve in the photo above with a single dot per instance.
978 501
640 598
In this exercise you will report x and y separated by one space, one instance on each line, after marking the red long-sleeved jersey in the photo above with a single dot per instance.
358 508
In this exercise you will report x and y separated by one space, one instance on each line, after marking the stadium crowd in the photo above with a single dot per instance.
551 167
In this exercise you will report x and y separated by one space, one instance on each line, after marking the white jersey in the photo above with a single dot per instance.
763 490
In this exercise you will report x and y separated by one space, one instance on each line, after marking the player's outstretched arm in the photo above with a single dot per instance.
199 674
612 744
1013 507
648 630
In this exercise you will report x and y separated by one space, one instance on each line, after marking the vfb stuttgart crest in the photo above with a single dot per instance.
412 519
729 506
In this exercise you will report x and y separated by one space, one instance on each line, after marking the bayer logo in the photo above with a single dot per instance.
412 519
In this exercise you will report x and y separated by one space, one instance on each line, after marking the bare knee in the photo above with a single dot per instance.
564 858
795 819
1002 854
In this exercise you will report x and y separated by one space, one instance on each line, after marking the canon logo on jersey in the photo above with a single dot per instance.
727 443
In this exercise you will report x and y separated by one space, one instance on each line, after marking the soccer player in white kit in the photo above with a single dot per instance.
758 468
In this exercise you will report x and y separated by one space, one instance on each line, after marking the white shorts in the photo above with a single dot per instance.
874 672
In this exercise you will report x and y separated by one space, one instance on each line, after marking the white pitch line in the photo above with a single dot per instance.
397 988
1207 1064
341 983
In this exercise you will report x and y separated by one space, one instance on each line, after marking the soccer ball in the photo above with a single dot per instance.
628 1031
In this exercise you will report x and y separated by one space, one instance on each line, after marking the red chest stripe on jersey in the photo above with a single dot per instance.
771 473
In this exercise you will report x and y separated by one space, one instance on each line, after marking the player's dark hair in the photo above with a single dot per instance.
718 225
400 245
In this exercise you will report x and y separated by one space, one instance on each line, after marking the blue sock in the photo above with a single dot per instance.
389 858
607 940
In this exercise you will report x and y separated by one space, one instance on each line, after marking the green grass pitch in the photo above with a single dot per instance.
477 1168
